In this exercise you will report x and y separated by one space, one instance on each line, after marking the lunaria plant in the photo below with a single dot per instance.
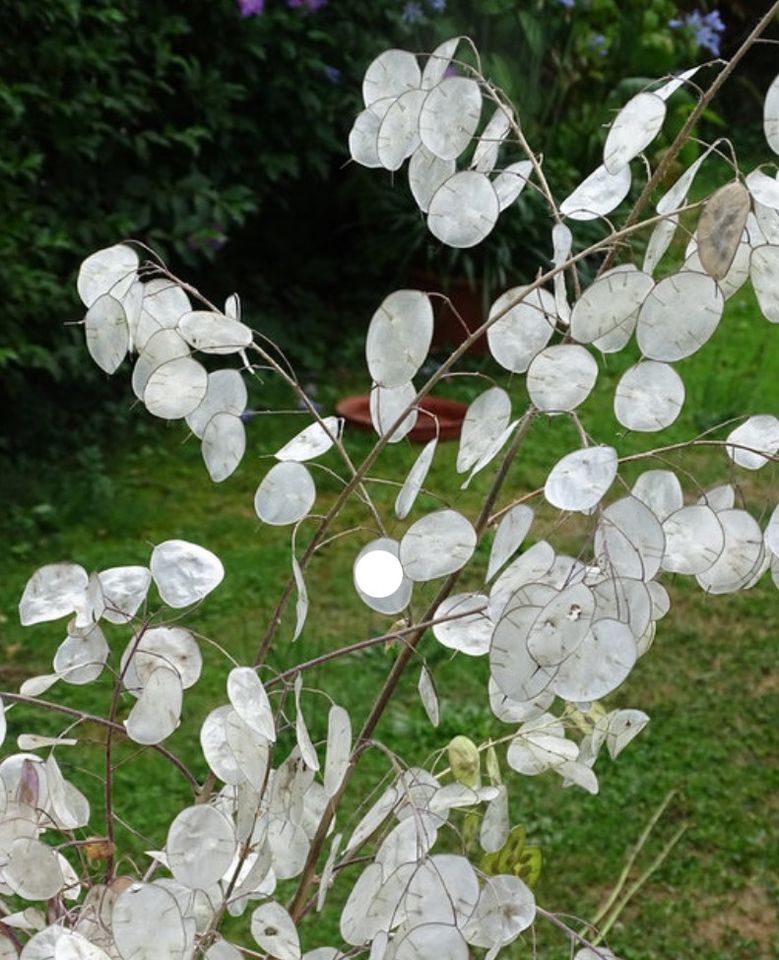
560 632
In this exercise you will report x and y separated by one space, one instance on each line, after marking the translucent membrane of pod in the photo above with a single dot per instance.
107 333
679 316
449 116
629 539
225 393
512 530
111 270
399 337
661 491
364 139
694 539
580 479
597 195
414 480
315 440
511 181
649 397
286 494
463 210
761 435
184 572
771 116
212 332
609 304
175 388
386 406
438 63
470 632
763 272
561 377
426 173
524 329
398 135
438 544
634 128
391 74
224 444
485 420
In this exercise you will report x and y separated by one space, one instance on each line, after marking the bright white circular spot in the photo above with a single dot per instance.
378 573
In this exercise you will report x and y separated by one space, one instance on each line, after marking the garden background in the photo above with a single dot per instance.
216 133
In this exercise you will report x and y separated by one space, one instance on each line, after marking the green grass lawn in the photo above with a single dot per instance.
709 683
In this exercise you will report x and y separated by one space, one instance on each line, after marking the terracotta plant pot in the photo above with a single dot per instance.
450 415
448 331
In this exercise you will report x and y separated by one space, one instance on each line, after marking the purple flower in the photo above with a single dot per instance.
412 12
439 6
707 28
598 44
251 8
333 74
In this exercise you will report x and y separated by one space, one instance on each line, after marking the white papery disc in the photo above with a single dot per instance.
378 574
315 440
391 74
463 210
286 494
629 540
111 270
450 116
124 590
470 633
661 491
212 332
31 869
510 182
649 397
580 479
485 155
506 907
524 329
414 480
426 173
172 647
634 128
561 625
764 274
157 711
398 135
764 189
485 420
741 559
515 672
431 941
694 540
162 346
200 846
53 591
599 664
216 749
761 434
184 572
364 139
399 337
107 332
561 377
225 393
679 316
224 444
598 195
147 924
387 404
771 116
175 388
609 304
438 63
437 545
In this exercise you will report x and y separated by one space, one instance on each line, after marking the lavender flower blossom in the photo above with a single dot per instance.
438 6
251 8
707 27
412 12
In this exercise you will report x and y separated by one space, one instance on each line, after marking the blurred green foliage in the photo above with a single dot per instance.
211 137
